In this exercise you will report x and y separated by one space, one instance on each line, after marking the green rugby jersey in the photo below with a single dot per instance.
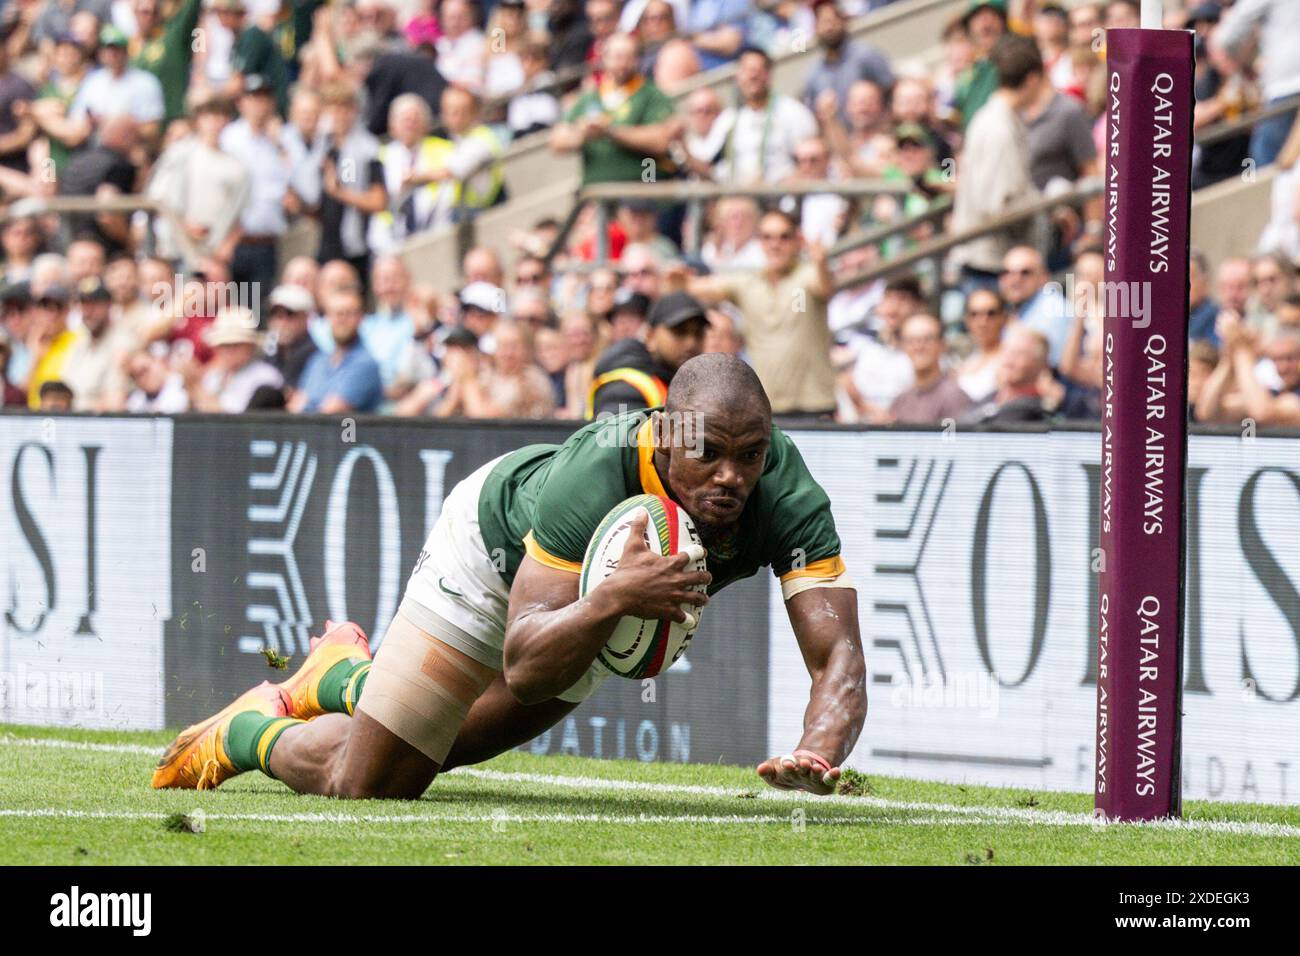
547 500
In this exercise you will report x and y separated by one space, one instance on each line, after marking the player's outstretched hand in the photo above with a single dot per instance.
801 770
653 586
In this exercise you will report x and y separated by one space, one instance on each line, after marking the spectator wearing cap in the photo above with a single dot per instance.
916 163
993 174
986 23
348 378
844 61
17 127
292 347
165 47
70 66
93 366
255 141
208 186
784 307
934 395
636 372
118 89
48 340
765 126
255 54
623 123
481 304
389 329
457 354
237 369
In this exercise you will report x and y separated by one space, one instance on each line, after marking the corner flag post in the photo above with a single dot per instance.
1144 420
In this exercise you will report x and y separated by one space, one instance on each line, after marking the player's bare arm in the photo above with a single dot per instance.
552 636
825 622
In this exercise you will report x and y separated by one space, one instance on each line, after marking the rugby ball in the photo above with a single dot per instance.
642 648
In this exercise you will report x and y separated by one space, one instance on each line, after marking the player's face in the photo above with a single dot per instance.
713 478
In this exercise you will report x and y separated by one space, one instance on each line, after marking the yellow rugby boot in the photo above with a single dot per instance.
344 644
198 758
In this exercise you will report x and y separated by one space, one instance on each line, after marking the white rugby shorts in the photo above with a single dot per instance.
456 592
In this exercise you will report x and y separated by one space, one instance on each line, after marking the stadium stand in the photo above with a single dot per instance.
511 187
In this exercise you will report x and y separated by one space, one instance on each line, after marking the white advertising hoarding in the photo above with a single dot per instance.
973 554
85 521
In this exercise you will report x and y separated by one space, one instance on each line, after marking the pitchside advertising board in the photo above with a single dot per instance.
85 516
147 562
975 558
279 524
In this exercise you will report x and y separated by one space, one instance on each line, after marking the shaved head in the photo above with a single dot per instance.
716 381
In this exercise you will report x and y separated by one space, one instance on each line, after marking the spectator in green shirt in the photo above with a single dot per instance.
50 111
623 127
255 54
165 48
986 22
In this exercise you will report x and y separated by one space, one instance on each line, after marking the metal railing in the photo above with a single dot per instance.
36 206
608 196
1227 129
934 250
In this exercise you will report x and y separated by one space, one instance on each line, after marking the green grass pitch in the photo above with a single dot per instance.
82 797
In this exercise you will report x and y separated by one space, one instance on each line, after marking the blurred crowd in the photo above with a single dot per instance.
376 122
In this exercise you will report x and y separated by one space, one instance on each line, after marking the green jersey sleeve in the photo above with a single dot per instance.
588 476
801 533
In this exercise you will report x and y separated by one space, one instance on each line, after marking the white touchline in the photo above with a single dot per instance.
943 813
